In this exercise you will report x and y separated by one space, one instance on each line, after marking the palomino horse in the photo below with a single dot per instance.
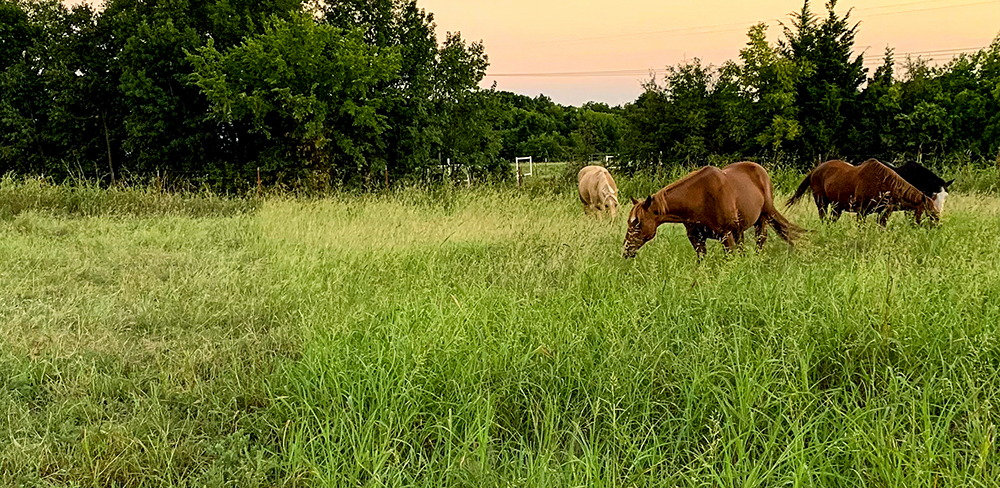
868 188
711 203
930 184
598 190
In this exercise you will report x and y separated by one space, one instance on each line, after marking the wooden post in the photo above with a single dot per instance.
258 182
387 177
518 165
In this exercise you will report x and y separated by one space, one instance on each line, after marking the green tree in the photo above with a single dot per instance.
827 89
464 112
434 106
308 89
768 80
56 90
16 33
646 138
874 131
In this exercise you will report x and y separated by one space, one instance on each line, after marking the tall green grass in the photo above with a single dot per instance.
494 337
88 199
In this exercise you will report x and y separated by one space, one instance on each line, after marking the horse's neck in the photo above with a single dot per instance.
669 207
910 194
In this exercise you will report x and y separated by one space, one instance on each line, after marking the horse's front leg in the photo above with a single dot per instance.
737 237
729 242
883 219
697 237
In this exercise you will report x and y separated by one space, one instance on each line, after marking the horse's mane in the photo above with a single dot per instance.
683 179
874 170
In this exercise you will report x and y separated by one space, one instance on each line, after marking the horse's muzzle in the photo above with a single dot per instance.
628 251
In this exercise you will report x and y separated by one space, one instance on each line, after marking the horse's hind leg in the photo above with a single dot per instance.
821 205
835 213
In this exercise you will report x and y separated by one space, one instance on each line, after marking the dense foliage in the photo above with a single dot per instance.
355 92
809 98
212 90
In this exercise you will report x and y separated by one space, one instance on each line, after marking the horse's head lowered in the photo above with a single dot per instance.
609 198
921 204
641 227
932 208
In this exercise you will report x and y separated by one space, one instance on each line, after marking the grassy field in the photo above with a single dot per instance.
486 337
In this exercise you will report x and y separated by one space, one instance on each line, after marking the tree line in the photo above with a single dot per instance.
334 92
355 92
809 98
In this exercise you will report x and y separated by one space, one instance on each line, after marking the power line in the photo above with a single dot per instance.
639 72
679 30
714 28
879 7
933 8
929 55
571 74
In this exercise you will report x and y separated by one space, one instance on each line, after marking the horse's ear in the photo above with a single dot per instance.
634 201
648 202
948 183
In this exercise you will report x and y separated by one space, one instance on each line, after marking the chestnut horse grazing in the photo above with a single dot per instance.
712 203
867 188
598 190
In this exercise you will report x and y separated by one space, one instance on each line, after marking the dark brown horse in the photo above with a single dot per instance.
712 203
868 188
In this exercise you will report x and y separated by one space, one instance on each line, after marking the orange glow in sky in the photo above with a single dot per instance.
634 36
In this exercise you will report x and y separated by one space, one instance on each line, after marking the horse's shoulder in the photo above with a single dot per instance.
609 180
710 179
875 168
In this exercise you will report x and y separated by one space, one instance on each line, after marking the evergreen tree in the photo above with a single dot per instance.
826 93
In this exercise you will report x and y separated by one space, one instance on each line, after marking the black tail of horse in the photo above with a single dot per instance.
803 187
785 228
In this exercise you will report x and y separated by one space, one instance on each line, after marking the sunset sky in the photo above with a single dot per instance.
549 37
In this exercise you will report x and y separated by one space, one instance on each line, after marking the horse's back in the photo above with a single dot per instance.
591 180
835 179
585 183
586 170
749 172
